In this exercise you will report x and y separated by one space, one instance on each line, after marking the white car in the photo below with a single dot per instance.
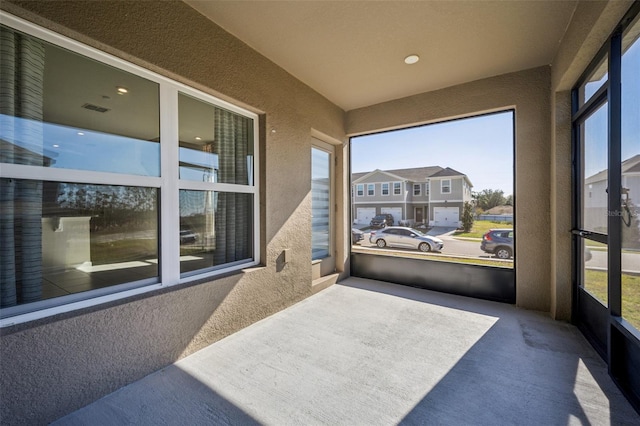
400 236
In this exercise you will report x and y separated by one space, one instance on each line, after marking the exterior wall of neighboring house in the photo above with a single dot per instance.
423 197
595 206
456 189
632 183
52 366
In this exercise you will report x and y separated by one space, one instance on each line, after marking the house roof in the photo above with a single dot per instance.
634 169
417 174
630 165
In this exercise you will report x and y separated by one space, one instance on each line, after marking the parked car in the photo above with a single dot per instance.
187 236
356 236
381 221
498 242
400 236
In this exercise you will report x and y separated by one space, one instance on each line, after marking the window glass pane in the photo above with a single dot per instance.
63 110
63 238
320 203
441 190
594 142
594 268
595 81
216 145
216 229
630 203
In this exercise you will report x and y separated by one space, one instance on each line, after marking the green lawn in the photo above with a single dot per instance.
481 227
595 282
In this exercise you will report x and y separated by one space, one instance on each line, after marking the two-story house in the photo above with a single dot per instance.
430 195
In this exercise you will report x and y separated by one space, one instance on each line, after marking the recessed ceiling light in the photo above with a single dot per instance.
198 138
80 134
411 59
122 90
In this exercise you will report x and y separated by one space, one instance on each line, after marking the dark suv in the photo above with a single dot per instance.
498 242
381 221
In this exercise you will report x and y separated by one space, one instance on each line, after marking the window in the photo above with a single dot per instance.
445 186
320 203
360 190
416 188
89 167
215 147
397 188
385 189
371 189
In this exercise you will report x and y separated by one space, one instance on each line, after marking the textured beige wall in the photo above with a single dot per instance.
50 368
529 93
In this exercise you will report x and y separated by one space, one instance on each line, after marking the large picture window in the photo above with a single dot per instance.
93 152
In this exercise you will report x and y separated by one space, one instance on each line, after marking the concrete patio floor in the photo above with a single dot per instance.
370 353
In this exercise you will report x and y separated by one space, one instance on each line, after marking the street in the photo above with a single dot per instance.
452 246
471 248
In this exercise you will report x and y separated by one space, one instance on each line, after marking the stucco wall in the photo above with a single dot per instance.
529 93
54 366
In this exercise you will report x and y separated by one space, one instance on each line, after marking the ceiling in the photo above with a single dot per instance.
352 52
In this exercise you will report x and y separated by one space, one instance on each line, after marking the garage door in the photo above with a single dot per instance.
396 212
446 216
365 214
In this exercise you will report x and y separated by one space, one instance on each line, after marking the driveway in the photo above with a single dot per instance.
440 231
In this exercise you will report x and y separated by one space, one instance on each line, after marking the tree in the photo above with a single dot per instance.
467 217
509 200
489 198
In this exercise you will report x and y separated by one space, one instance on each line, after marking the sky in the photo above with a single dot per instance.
480 147
595 130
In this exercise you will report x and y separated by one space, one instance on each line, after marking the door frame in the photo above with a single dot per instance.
616 340
327 265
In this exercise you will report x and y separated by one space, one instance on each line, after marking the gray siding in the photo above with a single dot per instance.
456 189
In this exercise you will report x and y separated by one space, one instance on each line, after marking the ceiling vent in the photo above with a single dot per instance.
95 108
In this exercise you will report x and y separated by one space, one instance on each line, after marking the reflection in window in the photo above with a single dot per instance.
63 238
67 111
215 145
216 228
630 203
320 203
